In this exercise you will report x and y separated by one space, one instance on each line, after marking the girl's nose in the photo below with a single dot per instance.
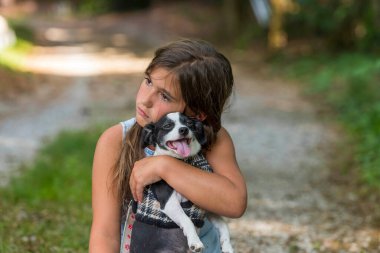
148 99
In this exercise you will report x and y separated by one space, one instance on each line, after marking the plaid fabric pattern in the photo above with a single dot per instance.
149 211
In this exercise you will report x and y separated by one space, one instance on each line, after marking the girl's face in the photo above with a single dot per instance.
158 95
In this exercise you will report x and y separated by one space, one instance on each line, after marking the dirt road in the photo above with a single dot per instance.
283 147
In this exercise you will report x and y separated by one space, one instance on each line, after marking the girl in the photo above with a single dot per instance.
187 76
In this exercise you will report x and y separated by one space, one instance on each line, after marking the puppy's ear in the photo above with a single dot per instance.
200 133
147 136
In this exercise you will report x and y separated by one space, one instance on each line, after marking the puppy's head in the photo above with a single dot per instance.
176 135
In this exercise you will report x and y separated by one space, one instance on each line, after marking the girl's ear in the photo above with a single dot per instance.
201 116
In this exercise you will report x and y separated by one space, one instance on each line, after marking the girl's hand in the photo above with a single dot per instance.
145 172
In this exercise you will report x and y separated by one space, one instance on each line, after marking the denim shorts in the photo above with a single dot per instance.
208 234
210 237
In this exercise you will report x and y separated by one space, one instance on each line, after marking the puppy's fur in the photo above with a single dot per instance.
181 137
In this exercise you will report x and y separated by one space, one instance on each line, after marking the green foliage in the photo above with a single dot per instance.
21 29
248 34
349 83
93 6
48 207
342 24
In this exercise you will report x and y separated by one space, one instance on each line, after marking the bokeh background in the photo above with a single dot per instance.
305 115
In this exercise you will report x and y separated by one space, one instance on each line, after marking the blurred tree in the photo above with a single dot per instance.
277 37
236 15
102 6
123 5
342 24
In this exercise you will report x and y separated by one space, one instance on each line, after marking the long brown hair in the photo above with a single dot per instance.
206 82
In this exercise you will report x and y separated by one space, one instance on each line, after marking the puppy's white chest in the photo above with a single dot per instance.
180 197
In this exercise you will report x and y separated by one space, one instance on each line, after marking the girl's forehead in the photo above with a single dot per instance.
164 79
160 74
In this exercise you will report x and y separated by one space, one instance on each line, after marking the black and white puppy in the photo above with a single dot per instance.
181 137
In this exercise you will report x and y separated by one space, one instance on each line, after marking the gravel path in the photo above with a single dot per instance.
282 146
22 133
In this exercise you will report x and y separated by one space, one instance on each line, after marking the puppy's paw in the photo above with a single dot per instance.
196 247
227 247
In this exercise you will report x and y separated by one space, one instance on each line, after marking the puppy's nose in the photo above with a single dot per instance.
183 131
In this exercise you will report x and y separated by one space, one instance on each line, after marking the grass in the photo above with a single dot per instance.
48 207
12 57
349 83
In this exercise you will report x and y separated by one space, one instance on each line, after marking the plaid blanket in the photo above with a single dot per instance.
149 211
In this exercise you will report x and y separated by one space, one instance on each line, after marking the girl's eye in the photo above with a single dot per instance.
165 97
148 82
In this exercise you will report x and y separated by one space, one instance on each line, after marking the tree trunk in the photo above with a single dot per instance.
231 16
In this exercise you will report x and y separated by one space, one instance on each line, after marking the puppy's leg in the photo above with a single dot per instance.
224 233
174 210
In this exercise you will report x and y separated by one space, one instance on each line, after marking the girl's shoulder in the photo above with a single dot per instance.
111 136
114 135
108 147
223 136
126 125
223 144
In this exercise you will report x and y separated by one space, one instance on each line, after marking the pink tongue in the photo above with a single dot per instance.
182 148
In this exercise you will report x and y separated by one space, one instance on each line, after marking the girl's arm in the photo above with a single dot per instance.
223 192
105 230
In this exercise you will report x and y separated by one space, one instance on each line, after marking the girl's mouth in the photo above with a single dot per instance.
142 113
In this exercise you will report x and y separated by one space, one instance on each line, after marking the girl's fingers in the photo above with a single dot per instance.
144 172
139 189
136 182
139 196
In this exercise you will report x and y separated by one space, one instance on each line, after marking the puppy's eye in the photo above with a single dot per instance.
190 123
168 126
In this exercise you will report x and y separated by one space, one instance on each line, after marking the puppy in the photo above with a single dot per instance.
164 212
